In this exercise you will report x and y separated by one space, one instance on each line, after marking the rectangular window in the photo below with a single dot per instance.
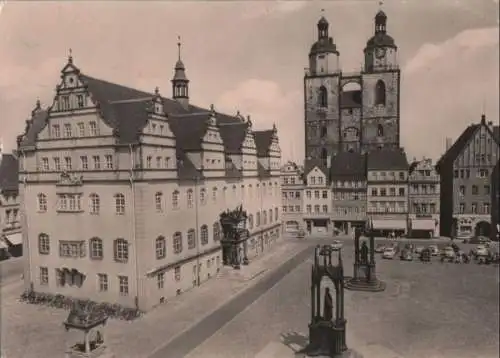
383 192
462 190
97 162
84 162
308 194
71 249
123 280
474 208
475 190
67 162
401 191
45 164
325 208
93 128
374 192
486 190
309 208
177 273
81 129
160 280
103 282
392 191
109 161
67 130
80 101
44 276
316 194
325 194
148 162
486 208
57 164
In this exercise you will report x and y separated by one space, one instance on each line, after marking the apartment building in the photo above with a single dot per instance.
292 196
122 190
348 186
423 199
10 218
317 199
387 191
466 170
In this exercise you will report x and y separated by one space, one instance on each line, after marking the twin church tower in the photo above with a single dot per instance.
357 112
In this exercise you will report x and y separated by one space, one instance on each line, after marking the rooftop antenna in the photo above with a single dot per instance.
179 47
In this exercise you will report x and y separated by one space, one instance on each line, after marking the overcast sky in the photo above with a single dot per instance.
251 55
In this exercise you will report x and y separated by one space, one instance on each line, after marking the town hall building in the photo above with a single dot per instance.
122 190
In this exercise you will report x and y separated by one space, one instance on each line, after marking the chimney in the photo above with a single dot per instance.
448 143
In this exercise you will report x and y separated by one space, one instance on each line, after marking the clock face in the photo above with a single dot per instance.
380 52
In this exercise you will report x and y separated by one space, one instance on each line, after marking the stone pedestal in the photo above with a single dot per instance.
365 279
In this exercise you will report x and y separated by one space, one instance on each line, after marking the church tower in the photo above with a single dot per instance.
380 90
321 83
180 82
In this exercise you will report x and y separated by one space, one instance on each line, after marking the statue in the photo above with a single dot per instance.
364 253
328 305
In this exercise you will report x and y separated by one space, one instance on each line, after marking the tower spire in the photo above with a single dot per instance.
70 56
179 44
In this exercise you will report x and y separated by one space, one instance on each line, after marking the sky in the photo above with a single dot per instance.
250 56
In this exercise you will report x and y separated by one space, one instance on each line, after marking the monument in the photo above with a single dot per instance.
234 243
91 321
327 330
365 276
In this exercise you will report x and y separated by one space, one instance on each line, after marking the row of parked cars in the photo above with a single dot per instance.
482 253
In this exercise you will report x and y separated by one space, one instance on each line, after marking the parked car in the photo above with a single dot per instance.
477 240
448 252
434 250
406 255
419 249
481 250
380 248
389 253
336 245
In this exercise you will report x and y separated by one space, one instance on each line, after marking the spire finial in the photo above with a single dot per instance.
179 47
70 56
212 108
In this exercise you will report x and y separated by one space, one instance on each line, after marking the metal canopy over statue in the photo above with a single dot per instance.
234 243
365 277
327 330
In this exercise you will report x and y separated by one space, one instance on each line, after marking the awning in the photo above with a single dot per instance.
423 224
389 224
3 245
15 239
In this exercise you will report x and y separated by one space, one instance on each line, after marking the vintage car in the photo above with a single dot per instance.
406 255
389 253
434 250
418 249
448 254
380 248
425 255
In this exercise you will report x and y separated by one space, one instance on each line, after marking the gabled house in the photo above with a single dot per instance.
317 199
466 188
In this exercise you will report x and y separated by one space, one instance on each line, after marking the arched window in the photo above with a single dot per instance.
380 93
121 250
96 251
177 242
216 231
43 244
159 201
204 234
380 131
323 97
276 214
257 221
189 198
42 203
160 247
175 199
95 203
191 239
270 215
264 217
250 221
120 204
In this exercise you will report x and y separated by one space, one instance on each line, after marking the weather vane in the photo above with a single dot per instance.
179 46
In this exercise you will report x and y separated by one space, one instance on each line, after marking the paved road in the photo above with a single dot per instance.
433 310
11 270
181 345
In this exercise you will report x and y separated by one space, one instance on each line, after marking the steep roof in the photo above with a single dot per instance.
387 159
348 165
452 153
9 170
263 140
310 164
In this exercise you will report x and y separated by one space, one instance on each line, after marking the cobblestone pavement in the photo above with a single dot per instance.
428 310
30 331
11 270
